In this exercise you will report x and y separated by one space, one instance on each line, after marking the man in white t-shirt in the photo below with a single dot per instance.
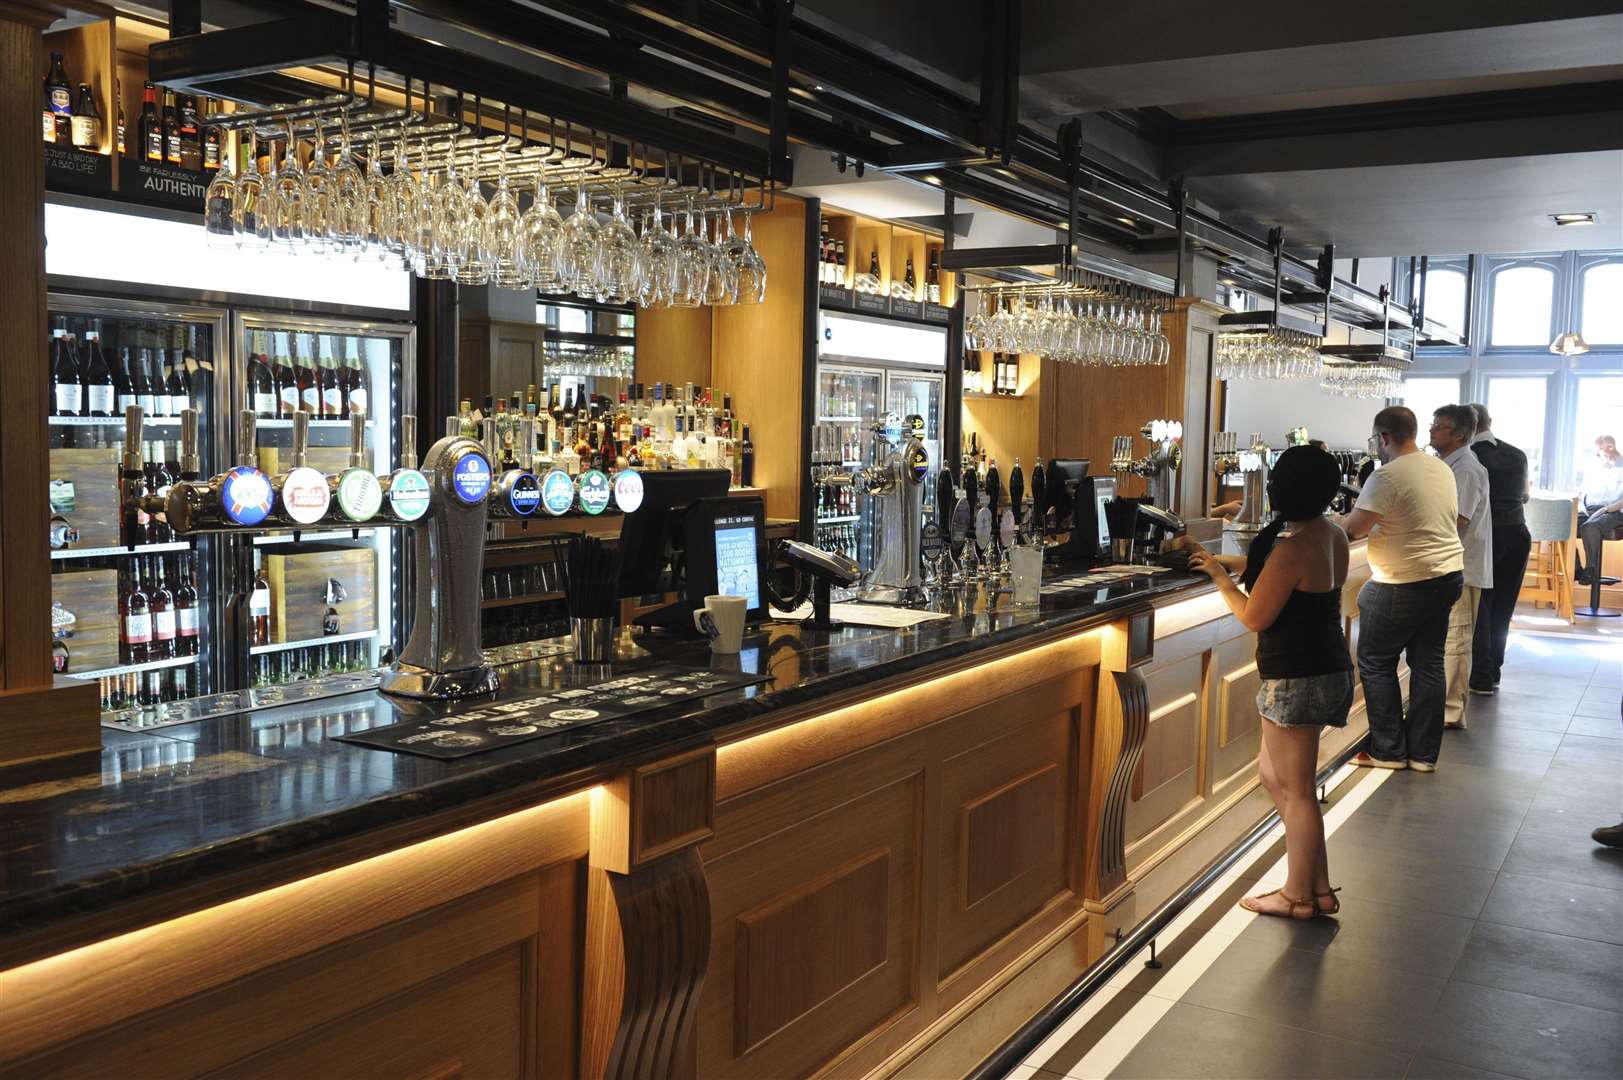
1452 427
1409 509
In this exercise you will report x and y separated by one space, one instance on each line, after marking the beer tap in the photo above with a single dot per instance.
355 495
1039 505
405 491
1160 466
239 498
518 492
300 493
1017 498
1254 464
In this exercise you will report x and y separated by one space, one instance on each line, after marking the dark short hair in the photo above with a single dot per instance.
1459 417
1397 421
1483 420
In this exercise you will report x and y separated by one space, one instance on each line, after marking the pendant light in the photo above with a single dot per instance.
1570 343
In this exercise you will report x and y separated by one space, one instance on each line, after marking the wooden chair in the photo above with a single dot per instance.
1553 525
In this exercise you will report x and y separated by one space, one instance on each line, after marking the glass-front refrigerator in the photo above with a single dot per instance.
133 605
328 599
848 403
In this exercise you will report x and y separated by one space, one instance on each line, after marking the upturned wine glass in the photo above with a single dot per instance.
320 236
288 197
580 250
254 227
220 216
348 199
750 268
541 233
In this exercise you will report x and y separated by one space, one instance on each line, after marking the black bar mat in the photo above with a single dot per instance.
504 723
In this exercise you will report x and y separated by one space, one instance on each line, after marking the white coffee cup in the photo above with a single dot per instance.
722 621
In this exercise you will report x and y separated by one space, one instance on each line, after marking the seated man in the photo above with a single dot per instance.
1602 504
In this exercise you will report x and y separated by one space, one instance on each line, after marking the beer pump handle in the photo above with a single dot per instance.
1039 508
453 427
357 438
134 426
189 464
944 498
526 458
408 441
248 438
301 439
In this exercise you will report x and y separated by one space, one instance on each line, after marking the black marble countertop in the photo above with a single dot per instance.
171 809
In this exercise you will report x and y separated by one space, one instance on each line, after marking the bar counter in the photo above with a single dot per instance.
880 860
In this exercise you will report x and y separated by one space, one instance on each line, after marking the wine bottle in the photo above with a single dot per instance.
908 279
86 121
157 382
259 609
58 113
67 391
137 620
100 393
746 460
179 385
123 386
932 279
309 381
160 604
287 378
152 145
355 382
333 400
186 639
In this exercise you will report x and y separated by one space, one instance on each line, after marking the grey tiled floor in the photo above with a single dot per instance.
1482 929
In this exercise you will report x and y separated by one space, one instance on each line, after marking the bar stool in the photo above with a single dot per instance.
1596 580
1553 526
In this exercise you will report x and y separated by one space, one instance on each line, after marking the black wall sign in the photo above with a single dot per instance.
907 309
163 185
872 304
67 168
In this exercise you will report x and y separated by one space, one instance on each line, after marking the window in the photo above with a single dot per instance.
1516 403
1603 304
1523 297
1600 412
1426 394
1445 297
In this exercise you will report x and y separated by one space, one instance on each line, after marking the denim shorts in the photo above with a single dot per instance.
1307 700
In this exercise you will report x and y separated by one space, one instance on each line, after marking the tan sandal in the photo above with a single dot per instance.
1301 910
1330 908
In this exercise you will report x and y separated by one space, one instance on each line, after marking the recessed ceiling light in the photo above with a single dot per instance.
1586 218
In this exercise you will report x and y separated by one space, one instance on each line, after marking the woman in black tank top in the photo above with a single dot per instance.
1292 600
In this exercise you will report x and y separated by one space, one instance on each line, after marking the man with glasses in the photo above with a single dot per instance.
1451 429
1409 509
1507 491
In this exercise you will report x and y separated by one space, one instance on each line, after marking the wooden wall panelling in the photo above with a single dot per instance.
1236 737
1120 725
316 1004
1168 775
673 345
1009 427
758 351
1006 811
773 1007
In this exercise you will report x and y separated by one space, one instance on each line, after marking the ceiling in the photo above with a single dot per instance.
1384 127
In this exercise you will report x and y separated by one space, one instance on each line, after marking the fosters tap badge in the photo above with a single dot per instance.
246 495
471 478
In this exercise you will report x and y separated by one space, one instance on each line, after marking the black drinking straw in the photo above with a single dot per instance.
594 575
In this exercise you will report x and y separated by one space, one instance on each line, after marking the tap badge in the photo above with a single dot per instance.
594 491
627 490
305 497
524 494
359 494
470 477
246 495
408 494
557 492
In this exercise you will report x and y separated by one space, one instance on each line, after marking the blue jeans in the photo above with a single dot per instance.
1410 620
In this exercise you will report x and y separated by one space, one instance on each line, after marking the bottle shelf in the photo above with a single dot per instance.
107 552
128 669
514 601
108 421
278 424
838 520
330 639
992 397
308 536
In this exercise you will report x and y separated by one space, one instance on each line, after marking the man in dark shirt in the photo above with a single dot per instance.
1507 491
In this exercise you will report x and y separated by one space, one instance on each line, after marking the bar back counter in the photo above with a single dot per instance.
879 862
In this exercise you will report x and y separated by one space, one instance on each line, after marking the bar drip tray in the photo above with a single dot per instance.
153 718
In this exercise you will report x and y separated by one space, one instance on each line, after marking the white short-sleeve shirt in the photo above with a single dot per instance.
1417 539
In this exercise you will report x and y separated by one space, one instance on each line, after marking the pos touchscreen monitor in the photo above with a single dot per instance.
726 546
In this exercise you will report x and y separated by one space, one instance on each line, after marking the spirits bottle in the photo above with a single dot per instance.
171 129
932 279
121 129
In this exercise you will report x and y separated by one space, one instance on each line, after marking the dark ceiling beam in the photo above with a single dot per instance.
1059 39
1588 122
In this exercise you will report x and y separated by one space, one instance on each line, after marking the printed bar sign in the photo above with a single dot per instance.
163 185
67 168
